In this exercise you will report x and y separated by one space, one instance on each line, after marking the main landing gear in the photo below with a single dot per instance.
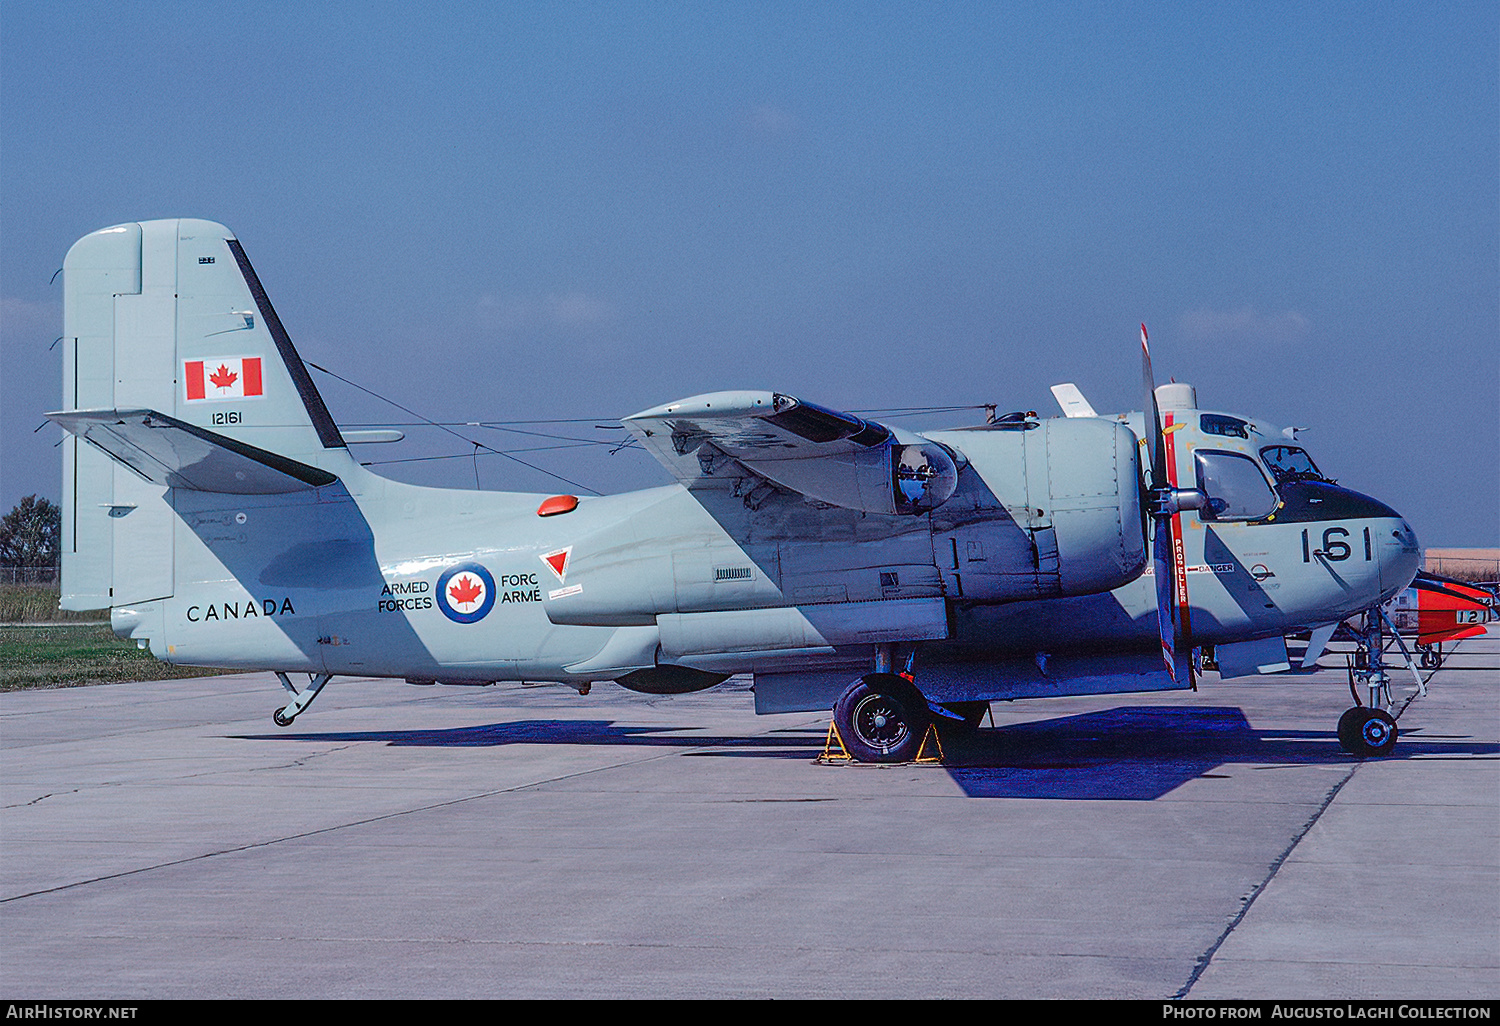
882 717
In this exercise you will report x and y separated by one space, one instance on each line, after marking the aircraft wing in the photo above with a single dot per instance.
167 451
825 455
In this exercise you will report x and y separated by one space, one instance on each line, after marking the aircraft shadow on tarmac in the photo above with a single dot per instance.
1125 754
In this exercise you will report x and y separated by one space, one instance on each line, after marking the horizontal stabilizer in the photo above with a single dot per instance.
1448 587
169 452
1450 610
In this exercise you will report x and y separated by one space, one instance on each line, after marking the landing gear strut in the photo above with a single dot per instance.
300 699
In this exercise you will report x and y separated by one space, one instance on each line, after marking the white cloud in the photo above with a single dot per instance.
1245 325
566 311
768 121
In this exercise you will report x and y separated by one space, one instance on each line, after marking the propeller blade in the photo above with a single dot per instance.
1155 445
1167 557
1161 569
1179 558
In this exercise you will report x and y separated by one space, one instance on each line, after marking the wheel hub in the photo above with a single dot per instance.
881 722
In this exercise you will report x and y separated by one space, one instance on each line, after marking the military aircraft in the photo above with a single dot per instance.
904 579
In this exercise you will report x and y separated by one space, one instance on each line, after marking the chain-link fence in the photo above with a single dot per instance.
1478 567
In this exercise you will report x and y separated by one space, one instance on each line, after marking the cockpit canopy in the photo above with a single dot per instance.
1290 463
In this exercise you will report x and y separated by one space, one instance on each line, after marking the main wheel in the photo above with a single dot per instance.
1365 731
881 718
282 720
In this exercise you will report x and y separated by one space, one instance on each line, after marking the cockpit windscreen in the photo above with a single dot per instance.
1290 463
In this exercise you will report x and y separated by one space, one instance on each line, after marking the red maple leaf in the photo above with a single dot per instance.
223 377
464 591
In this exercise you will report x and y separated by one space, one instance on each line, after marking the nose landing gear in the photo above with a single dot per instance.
1367 729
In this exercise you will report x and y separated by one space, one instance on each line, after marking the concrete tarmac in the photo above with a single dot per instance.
166 840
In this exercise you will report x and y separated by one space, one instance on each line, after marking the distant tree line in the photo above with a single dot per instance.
31 539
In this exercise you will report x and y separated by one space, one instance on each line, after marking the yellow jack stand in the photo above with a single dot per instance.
835 756
932 734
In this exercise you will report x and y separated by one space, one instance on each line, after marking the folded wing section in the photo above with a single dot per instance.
826 455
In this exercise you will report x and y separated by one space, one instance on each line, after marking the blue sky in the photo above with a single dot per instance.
573 210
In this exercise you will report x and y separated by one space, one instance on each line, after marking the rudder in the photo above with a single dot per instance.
169 316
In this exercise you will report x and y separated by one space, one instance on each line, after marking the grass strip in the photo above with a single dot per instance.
72 655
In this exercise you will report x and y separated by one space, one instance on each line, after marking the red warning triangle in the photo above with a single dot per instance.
558 562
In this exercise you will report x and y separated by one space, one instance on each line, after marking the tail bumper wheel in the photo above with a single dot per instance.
881 718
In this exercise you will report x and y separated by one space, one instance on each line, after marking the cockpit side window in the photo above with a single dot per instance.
1234 485
1219 424
1291 463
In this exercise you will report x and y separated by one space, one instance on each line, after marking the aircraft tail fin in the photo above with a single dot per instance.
176 369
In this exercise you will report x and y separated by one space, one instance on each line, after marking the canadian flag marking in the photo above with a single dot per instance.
223 377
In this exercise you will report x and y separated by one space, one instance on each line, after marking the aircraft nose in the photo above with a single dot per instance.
1400 557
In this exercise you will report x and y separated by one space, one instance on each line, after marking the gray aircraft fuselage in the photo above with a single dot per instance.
236 529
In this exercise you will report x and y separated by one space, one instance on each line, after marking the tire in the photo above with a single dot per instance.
1349 729
881 718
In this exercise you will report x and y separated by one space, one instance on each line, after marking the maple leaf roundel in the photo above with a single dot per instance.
466 593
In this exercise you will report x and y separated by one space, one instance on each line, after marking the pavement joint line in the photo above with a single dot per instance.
40 798
290 837
529 785
1207 957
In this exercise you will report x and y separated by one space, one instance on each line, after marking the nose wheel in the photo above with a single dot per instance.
1366 731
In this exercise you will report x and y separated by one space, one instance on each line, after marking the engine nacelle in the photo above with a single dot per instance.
1042 509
